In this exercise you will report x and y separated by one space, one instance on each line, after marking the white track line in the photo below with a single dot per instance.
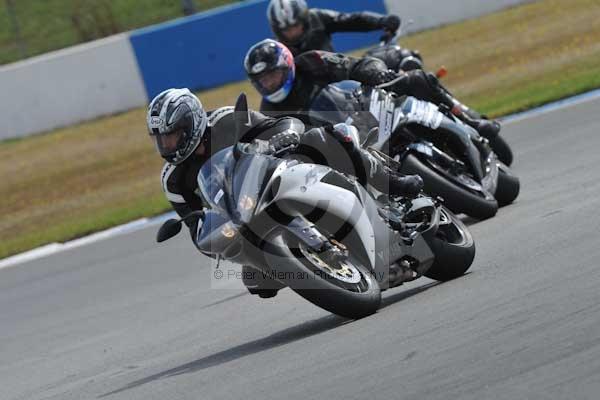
143 223
53 248
551 107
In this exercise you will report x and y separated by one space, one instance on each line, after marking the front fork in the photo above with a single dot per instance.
307 233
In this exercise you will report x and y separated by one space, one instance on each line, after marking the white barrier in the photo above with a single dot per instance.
69 86
428 14
102 77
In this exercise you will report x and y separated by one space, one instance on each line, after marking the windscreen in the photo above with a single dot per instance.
233 184
212 179
344 102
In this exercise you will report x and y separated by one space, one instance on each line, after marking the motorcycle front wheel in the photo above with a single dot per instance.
346 288
502 150
453 246
508 187
456 198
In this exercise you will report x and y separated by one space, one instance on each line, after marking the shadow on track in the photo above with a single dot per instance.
469 221
280 338
225 300
398 297
283 337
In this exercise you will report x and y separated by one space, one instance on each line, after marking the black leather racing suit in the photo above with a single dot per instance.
317 69
321 24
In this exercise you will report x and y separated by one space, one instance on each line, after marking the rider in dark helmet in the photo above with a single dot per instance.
186 136
304 29
288 85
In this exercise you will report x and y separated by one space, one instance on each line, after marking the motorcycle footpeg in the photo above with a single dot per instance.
402 272
410 239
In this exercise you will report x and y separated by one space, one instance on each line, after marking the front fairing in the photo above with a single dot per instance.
345 102
218 234
233 179
232 182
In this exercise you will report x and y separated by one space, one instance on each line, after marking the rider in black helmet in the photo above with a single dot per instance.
186 136
288 85
304 29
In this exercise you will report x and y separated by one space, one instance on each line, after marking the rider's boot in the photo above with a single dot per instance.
489 129
260 283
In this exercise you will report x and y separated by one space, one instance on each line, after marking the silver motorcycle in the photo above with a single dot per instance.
320 232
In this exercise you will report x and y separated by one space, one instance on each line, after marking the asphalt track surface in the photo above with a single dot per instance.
126 318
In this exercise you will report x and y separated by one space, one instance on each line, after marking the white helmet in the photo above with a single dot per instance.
285 13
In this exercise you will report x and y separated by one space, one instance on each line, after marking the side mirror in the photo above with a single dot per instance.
168 230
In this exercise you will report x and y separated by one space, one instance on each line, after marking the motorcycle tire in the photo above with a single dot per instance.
454 249
456 198
352 301
508 188
502 150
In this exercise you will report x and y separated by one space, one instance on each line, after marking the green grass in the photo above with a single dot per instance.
521 57
86 224
47 25
549 87
77 180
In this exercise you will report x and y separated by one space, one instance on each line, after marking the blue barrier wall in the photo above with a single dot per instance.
207 50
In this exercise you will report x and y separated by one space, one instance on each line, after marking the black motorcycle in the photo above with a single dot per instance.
395 56
455 162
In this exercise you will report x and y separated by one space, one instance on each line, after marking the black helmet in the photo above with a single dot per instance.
283 14
177 123
271 69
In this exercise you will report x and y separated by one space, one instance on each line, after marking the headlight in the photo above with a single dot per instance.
228 231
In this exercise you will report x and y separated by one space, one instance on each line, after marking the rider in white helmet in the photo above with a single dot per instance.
304 29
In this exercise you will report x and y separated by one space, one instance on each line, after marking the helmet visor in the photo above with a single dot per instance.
167 145
270 82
